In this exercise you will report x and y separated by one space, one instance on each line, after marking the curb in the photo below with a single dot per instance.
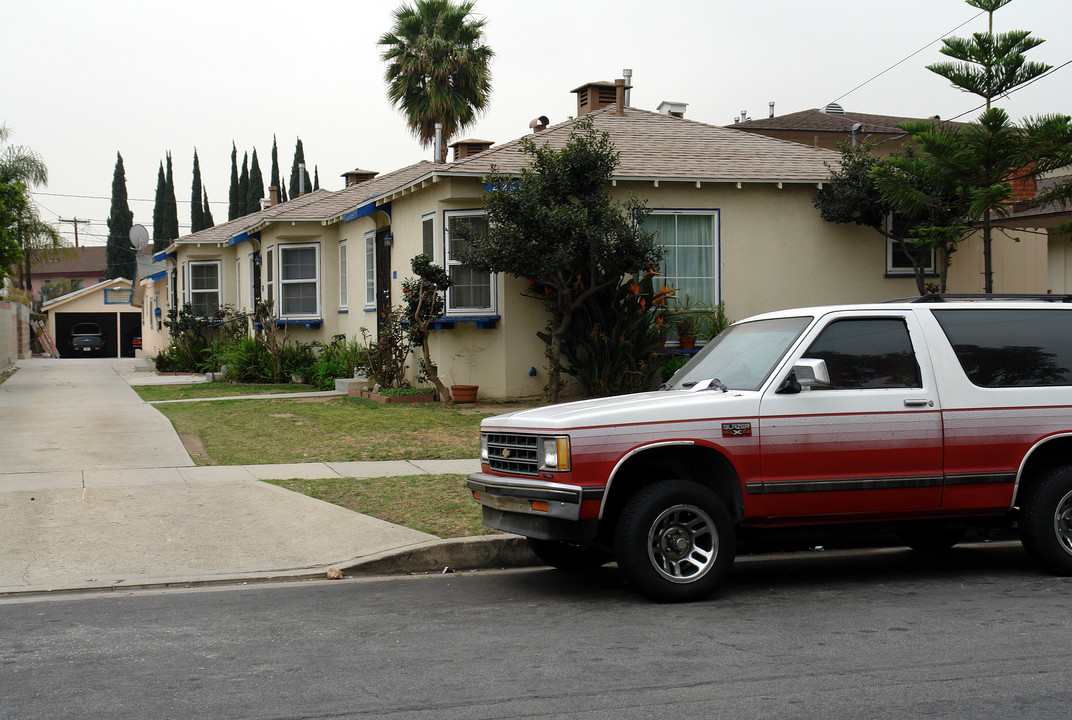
483 552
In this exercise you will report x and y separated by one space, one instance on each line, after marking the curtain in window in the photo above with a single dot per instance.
689 264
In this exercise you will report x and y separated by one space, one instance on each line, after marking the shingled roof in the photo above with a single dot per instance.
816 120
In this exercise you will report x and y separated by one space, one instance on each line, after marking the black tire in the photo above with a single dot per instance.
567 556
932 537
675 541
1046 521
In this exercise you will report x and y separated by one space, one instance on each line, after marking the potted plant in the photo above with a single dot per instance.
465 394
688 319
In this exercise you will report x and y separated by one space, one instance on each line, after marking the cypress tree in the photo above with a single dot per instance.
197 213
299 158
282 192
316 178
171 218
256 184
233 209
159 211
206 212
243 187
274 179
118 254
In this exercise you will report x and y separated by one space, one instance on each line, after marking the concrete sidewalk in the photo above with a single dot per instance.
96 491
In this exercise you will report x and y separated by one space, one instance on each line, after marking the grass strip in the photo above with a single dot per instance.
436 504
319 429
154 393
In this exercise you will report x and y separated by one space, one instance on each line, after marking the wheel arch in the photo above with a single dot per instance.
1047 453
686 459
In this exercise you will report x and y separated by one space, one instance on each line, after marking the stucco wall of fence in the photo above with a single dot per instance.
14 333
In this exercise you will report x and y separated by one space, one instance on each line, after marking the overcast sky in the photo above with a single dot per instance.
87 79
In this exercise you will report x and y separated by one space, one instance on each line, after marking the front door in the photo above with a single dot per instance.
383 278
871 441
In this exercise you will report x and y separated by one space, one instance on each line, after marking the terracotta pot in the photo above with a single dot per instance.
687 343
465 394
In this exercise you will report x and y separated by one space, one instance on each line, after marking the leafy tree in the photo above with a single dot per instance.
299 159
12 203
256 185
851 195
437 67
423 304
985 159
234 207
38 242
197 210
118 254
558 226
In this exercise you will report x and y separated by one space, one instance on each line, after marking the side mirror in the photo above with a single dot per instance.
811 372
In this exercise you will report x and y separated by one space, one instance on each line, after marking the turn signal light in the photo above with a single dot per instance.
540 505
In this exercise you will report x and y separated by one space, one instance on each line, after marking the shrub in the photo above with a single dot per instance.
338 360
248 361
388 354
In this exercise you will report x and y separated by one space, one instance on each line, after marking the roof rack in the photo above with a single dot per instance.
943 297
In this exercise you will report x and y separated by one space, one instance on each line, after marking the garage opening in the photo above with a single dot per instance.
119 331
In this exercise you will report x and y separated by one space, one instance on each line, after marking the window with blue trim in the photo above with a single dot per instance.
299 281
472 292
690 241
205 287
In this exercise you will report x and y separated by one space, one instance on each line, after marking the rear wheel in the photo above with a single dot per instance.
1046 521
567 556
675 541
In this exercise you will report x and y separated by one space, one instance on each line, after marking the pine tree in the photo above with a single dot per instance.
159 212
256 184
171 218
243 187
206 212
233 208
299 159
119 255
197 213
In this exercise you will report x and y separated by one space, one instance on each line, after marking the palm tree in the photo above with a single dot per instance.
437 67
21 164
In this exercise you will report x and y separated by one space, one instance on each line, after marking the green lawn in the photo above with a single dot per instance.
436 504
252 432
154 393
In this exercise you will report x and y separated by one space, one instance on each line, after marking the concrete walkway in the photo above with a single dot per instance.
96 490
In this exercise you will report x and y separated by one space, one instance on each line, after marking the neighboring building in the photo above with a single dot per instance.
1039 224
733 209
85 265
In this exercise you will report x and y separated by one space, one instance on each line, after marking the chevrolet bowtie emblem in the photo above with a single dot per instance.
506 453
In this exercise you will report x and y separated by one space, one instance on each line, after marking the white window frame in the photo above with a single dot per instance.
269 280
218 291
905 270
283 283
251 296
370 270
449 262
716 234
343 296
238 282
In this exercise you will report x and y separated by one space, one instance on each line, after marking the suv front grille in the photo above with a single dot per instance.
516 454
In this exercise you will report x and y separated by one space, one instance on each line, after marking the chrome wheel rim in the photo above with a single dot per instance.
683 543
1062 523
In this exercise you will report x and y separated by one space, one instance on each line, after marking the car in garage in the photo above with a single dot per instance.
86 338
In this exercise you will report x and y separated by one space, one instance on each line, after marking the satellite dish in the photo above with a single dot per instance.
139 237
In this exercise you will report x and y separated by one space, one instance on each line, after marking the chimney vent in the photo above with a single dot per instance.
301 178
273 195
627 73
539 124
674 109
594 96
466 148
771 109
357 175
438 147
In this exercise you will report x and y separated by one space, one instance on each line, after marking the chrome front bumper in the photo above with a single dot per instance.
518 495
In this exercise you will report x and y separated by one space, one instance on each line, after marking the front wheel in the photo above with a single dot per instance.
567 556
675 541
1046 521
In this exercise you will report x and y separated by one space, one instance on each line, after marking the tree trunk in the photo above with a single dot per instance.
988 265
433 375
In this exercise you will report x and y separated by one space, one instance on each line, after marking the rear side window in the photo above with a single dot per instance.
867 353
1011 348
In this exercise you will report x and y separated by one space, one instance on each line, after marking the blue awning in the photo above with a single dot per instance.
366 210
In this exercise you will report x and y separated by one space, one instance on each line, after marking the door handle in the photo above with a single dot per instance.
919 403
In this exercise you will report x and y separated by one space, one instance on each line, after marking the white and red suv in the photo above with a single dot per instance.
919 418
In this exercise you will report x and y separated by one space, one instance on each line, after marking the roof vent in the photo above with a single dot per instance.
539 124
669 107
595 95
468 148
357 175
833 109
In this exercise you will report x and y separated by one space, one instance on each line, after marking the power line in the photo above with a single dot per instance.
917 52
101 197
1049 72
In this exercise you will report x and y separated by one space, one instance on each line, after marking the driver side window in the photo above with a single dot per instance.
867 353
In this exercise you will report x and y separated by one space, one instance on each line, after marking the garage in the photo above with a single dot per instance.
105 305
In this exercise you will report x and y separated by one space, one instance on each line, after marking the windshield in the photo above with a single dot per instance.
743 355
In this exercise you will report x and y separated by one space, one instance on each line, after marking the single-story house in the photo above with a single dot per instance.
733 210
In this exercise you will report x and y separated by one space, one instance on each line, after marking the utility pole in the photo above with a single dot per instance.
75 221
